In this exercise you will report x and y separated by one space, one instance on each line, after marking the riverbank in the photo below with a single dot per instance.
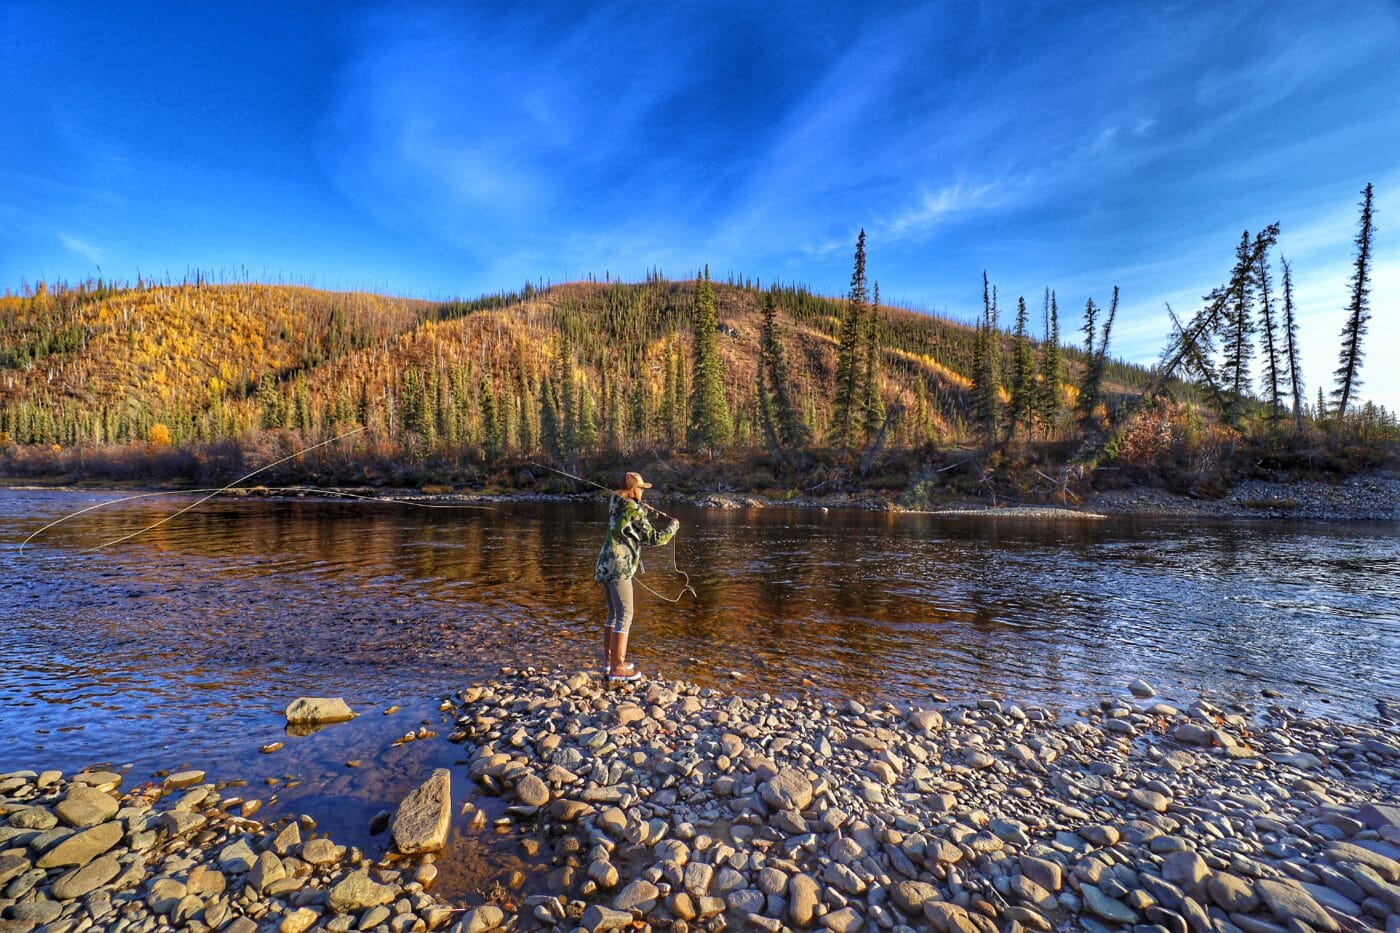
685 808
1373 496
1365 497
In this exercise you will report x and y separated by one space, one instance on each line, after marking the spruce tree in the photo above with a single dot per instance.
872 399
1238 328
986 369
1051 369
613 417
1358 312
587 433
1022 375
671 417
848 362
784 431
639 412
490 422
412 405
270 411
527 433
551 434
763 398
710 425
568 402
1290 334
1269 330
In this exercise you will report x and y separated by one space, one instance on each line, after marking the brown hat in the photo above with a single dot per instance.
635 481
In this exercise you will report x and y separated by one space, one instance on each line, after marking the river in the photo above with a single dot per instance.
182 646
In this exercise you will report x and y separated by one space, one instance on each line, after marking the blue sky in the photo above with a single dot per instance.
451 149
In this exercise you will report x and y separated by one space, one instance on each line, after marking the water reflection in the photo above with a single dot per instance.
190 639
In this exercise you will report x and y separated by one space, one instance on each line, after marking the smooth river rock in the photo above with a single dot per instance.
788 790
84 807
81 848
311 711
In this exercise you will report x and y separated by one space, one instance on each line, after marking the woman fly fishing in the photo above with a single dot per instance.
619 561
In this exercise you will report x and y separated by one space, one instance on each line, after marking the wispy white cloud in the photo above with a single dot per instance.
81 247
934 207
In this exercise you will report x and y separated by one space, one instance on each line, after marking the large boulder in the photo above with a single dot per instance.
315 711
421 823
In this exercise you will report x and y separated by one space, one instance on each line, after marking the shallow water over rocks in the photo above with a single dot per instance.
183 646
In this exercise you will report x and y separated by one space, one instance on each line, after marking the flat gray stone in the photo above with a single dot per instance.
357 891
81 848
1387 868
1290 902
86 879
237 857
598 919
422 820
1378 815
639 895
1107 907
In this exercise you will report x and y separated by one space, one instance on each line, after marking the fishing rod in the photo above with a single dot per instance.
223 489
611 492
675 567
211 493
335 493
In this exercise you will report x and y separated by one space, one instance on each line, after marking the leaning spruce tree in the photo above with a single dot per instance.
1358 312
710 426
1238 327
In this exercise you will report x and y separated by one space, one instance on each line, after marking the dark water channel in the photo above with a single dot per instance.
182 646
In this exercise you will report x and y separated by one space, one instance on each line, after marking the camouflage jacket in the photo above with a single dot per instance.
628 530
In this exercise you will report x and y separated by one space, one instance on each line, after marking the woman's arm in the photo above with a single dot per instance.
653 537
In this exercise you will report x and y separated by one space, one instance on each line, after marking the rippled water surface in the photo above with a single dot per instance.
182 645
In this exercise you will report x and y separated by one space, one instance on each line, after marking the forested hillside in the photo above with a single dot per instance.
198 380
570 369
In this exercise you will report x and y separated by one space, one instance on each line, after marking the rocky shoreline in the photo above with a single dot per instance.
1369 497
671 806
77 853
682 807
